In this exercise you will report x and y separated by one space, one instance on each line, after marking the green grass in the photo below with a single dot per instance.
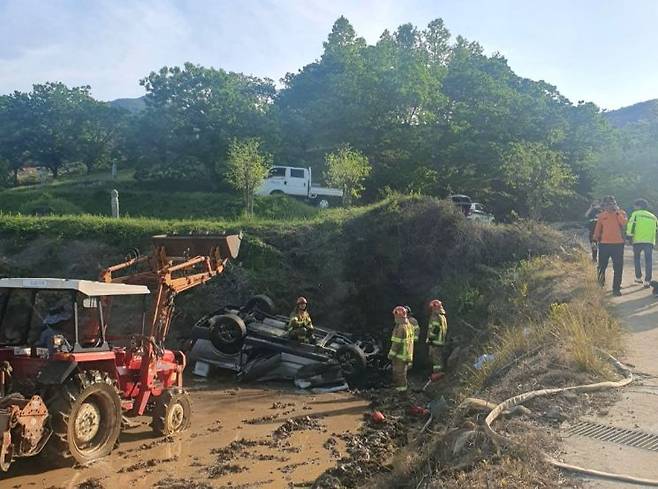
90 194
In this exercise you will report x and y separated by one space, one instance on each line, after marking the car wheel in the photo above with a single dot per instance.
352 361
260 303
227 333
323 203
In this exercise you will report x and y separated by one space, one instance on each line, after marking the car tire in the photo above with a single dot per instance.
260 303
227 333
324 203
352 361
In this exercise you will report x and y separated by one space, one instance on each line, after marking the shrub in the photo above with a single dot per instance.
47 204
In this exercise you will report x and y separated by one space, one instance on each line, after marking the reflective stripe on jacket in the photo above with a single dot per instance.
300 319
402 343
642 227
437 330
416 326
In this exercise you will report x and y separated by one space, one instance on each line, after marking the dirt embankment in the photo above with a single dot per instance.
546 331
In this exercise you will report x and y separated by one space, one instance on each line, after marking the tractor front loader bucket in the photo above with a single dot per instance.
24 428
188 246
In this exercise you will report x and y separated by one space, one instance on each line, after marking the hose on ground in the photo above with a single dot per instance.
499 409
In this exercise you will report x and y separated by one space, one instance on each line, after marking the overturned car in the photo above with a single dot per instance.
253 341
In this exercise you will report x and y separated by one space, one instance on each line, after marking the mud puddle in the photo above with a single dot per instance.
247 436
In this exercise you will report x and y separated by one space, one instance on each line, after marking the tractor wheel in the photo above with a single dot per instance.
85 416
172 412
227 333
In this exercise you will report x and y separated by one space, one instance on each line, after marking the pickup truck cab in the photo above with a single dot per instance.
480 213
297 182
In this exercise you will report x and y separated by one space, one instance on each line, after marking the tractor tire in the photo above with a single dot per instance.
352 361
172 412
260 304
85 416
227 333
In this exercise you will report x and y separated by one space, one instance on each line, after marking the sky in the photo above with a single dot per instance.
602 51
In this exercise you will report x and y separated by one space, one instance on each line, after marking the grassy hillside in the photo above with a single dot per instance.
91 195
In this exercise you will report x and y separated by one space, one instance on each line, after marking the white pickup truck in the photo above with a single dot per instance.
296 182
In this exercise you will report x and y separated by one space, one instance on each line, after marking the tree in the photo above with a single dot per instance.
54 125
246 169
192 114
538 174
347 169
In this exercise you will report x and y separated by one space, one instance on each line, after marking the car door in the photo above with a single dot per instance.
276 180
297 182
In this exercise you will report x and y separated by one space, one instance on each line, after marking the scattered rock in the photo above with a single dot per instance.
331 445
90 484
554 413
223 469
298 424
147 464
171 483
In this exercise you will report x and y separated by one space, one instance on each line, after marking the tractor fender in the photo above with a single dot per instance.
56 372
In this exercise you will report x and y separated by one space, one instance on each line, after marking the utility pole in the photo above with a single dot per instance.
114 201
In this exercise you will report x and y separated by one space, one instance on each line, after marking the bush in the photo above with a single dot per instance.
187 175
47 205
283 207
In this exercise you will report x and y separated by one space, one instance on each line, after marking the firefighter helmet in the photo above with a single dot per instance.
400 311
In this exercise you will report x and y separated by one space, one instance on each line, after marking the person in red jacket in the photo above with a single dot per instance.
609 234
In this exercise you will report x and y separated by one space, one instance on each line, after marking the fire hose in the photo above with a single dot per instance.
522 398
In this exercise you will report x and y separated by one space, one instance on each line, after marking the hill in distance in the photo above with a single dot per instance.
642 111
132 105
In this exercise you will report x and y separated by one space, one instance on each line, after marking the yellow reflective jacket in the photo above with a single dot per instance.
402 343
437 330
300 319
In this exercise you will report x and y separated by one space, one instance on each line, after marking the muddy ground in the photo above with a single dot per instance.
242 436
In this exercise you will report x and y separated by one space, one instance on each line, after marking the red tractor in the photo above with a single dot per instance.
66 386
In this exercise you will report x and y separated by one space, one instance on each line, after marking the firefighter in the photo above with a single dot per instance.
300 326
402 348
437 331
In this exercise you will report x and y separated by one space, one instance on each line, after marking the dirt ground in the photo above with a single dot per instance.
242 436
636 409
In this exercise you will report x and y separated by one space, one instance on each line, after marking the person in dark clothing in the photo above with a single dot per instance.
591 215
609 233
641 229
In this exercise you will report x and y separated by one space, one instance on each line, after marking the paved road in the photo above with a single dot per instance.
637 409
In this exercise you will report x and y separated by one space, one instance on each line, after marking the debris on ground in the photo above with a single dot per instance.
282 405
262 419
147 464
332 446
221 469
481 360
90 484
171 483
298 424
